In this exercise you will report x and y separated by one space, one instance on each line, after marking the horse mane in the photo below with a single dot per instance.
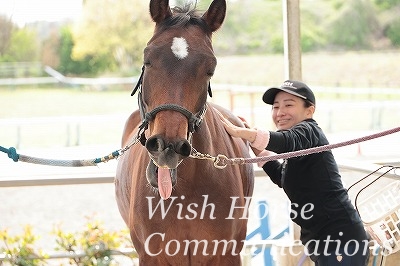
183 17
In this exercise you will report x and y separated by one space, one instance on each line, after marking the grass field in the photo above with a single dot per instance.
346 69
352 69
37 102
64 104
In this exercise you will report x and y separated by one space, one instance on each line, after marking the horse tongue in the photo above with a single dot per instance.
164 183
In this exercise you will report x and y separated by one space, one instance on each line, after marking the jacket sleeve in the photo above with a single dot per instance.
274 171
302 136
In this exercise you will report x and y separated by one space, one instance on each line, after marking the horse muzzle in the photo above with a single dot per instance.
167 153
165 157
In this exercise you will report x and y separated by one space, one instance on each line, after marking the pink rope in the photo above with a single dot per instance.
327 147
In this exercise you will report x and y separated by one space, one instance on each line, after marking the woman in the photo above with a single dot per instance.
331 228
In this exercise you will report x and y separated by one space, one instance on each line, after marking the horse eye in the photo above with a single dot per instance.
210 74
147 64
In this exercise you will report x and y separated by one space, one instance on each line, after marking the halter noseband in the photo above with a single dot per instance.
194 120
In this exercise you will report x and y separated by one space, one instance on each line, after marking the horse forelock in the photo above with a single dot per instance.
184 17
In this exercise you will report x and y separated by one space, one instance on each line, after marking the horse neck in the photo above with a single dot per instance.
210 132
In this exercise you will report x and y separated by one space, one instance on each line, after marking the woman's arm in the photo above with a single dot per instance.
246 133
258 138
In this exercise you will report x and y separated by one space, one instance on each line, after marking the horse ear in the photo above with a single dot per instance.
159 10
215 14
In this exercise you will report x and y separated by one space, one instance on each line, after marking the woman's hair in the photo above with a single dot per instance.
307 103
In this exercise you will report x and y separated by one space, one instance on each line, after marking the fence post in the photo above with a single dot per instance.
78 134
68 132
18 143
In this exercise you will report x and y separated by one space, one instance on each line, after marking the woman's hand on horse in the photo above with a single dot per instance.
246 125
246 133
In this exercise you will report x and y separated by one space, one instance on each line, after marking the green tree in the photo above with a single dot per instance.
393 32
352 25
387 4
250 27
116 30
24 45
89 64
17 44
6 27
389 19
312 17
50 50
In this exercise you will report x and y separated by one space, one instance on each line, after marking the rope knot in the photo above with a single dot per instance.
12 153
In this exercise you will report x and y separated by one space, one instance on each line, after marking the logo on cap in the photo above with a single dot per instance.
287 84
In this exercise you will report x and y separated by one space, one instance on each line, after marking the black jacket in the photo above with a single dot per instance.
313 181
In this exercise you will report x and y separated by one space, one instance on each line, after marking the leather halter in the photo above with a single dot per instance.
194 120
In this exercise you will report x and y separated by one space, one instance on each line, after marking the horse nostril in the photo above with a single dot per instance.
154 144
183 148
157 144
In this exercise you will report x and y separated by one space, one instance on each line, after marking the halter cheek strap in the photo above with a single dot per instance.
139 83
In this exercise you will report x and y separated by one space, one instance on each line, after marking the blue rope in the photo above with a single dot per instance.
111 156
11 152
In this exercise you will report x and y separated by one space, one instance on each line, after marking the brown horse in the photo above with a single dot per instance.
182 210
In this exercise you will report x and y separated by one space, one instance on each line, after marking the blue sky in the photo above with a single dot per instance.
23 11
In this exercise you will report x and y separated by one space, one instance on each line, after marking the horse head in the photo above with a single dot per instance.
178 64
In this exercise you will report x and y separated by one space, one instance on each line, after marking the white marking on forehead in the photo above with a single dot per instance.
180 47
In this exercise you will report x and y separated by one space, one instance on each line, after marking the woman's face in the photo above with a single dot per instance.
289 110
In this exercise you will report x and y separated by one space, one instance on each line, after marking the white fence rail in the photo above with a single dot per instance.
333 117
76 178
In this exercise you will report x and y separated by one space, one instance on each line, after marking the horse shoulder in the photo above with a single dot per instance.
130 125
123 172
241 149
227 114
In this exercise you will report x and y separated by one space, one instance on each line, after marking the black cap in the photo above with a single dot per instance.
293 87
